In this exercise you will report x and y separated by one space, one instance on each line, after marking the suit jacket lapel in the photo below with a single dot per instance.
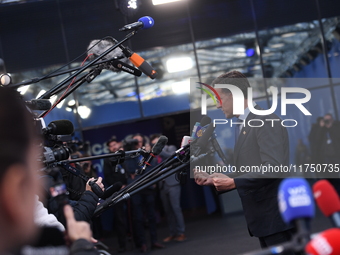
243 135
241 138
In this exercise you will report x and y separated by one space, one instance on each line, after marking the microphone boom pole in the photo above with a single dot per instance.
53 90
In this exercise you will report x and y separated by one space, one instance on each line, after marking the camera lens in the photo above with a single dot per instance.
61 153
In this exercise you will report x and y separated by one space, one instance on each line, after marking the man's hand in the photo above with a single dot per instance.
99 183
202 178
222 182
76 229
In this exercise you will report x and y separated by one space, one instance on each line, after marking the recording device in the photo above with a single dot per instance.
328 201
39 104
325 243
59 127
295 200
156 149
55 135
139 62
296 206
143 23
95 188
200 127
186 140
327 121
56 154
201 145
123 54
119 62
199 131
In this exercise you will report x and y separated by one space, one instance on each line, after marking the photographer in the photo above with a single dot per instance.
83 208
114 173
142 201
19 183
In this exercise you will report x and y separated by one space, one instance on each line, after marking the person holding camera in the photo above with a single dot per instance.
19 182
142 201
330 146
114 173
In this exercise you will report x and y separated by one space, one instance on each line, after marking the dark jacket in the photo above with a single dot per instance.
258 146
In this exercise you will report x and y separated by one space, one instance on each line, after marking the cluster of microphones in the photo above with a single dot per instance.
203 140
296 203
295 196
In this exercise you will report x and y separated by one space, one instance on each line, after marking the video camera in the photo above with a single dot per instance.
55 136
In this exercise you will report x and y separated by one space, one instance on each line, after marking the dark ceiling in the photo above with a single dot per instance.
41 33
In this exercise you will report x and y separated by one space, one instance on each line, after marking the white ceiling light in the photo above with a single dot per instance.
72 102
84 111
181 87
22 90
157 2
179 64
277 45
41 93
60 104
53 99
288 35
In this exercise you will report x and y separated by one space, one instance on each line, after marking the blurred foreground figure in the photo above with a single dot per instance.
19 185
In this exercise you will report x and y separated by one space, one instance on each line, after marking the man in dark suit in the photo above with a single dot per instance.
266 145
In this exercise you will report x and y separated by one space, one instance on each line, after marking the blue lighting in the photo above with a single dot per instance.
133 93
250 52
159 92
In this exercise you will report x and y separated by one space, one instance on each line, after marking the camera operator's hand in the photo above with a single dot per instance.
76 229
98 182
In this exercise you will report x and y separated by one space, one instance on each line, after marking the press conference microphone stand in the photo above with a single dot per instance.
54 74
158 173
52 91
119 155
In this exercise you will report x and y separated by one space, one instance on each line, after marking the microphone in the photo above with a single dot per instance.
116 64
97 47
186 140
295 200
39 104
111 189
156 149
140 63
199 130
197 148
327 200
295 205
325 243
59 127
143 23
